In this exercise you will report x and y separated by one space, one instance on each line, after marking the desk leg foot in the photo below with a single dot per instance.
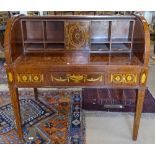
36 93
16 108
139 107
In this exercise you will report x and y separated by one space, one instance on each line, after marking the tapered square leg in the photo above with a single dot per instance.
139 107
16 108
36 93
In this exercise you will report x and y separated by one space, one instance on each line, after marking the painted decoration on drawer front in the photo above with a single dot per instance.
77 35
77 78
29 77
123 78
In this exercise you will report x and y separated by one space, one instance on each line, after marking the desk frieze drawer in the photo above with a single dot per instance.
77 78
123 78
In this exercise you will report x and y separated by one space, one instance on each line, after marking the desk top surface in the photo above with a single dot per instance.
75 59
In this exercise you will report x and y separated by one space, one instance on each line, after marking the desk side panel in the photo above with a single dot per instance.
13 40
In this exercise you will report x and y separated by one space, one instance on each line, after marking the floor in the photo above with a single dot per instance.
106 127
117 128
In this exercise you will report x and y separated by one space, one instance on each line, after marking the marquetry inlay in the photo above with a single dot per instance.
143 78
77 35
10 77
30 77
123 78
76 78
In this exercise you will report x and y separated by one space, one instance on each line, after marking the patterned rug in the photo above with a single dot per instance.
55 118
3 77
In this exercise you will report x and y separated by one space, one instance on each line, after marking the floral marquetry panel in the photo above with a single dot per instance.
77 35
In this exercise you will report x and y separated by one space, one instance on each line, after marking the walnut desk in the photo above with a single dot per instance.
79 51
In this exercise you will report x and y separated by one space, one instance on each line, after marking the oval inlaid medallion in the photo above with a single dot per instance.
77 37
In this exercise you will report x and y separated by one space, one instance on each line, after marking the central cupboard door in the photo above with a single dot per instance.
77 35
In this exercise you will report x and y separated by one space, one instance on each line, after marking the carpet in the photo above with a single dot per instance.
3 77
55 118
115 100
